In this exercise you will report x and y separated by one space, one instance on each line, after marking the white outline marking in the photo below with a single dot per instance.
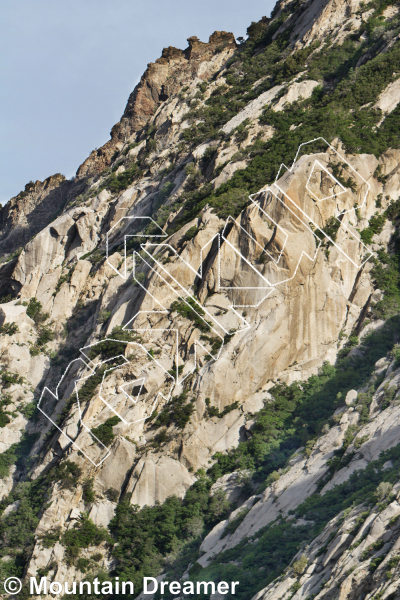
160 271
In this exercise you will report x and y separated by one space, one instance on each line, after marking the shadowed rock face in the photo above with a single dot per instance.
23 215
27 213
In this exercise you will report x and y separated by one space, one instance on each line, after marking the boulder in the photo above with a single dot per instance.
351 397
14 313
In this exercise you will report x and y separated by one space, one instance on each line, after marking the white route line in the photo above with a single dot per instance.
185 300
186 296
93 369
331 176
162 234
351 210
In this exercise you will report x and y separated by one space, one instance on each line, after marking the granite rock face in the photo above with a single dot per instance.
273 294
25 214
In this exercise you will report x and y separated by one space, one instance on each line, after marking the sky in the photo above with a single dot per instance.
67 68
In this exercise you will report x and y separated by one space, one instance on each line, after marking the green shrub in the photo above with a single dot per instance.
395 354
120 182
359 521
4 418
67 474
94 257
359 441
234 523
330 229
8 379
6 298
375 226
138 278
388 397
151 146
294 63
213 411
34 311
393 210
393 562
87 391
51 537
189 309
209 155
84 534
65 278
130 147
272 477
45 335
97 557
309 447
17 530
219 507
7 459
114 345
371 549
195 570
112 495
386 275
383 490
164 193
230 203
14 254
104 315
9 329
216 342
300 565
161 438
147 535
190 234
82 564
29 410
88 494
17 453
241 131
194 177
177 411
104 432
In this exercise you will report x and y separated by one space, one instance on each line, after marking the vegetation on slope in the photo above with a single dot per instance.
340 107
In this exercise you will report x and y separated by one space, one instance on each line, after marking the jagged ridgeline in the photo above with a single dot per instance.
201 384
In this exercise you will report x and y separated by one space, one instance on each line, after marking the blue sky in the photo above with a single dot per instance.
67 68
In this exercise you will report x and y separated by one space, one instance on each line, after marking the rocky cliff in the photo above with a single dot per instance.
25 214
199 333
165 78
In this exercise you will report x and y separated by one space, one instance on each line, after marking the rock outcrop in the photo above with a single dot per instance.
26 214
162 80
